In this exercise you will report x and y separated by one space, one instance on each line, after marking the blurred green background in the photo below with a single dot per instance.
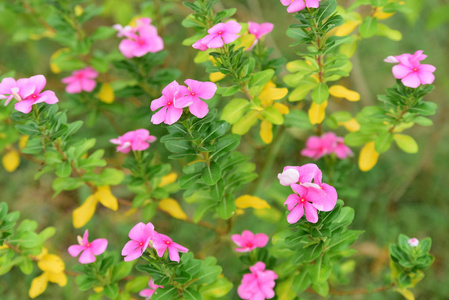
404 193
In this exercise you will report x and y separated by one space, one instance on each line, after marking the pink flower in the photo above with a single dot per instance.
411 72
197 90
27 91
137 140
249 241
169 113
311 194
220 34
328 143
200 45
161 243
297 5
90 250
140 236
149 292
259 284
260 30
140 40
413 242
81 80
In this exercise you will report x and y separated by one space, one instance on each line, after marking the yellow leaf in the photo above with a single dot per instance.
23 141
84 213
38 36
43 253
246 41
38 285
268 214
406 293
368 157
172 207
347 28
239 212
270 92
246 201
266 132
380 15
167 179
11 160
351 125
216 76
133 22
317 112
340 91
104 195
78 10
51 263
98 289
58 278
106 93
54 67
282 108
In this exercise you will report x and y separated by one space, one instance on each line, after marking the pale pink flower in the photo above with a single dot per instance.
304 174
328 143
200 45
122 31
413 242
169 113
140 235
341 150
137 140
147 293
220 34
257 285
197 90
161 243
260 30
297 5
81 80
140 40
249 241
90 250
27 91
411 72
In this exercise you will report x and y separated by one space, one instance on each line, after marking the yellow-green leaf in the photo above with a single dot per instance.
247 201
406 293
317 112
106 93
11 160
168 179
406 143
245 123
266 132
106 198
347 28
340 91
172 207
368 157
284 290
38 285
84 213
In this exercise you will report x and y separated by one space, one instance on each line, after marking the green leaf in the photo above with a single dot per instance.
26 266
226 144
301 282
321 288
217 289
121 270
368 28
167 293
209 271
191 294
357 138
244 124
230 90
343 240
179 146
320 93
64 169
111 290
211 173
272 115
226 207
321 270
383 141
66 184
102 33
110 176
406 143
261 78
234 110
137 284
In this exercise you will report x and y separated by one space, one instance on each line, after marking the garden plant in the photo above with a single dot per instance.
207 149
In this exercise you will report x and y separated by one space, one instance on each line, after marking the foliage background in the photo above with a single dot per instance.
404 193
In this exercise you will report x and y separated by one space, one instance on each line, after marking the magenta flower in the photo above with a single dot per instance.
161 243
413 242
260 30
328 143
169 113
27 91
147 293
90 250
220 34
81 80
200 45
259 284
137 140
140 236
411 72
197 90
140 40
297 5
249 241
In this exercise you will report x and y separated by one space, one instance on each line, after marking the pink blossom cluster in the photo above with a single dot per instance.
249 241
139 40
88 250
137 140
259 284
147 293
409 69
413 242
297 5
81 80
328 143
175 97
27 92
219 35
310 193
143 236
